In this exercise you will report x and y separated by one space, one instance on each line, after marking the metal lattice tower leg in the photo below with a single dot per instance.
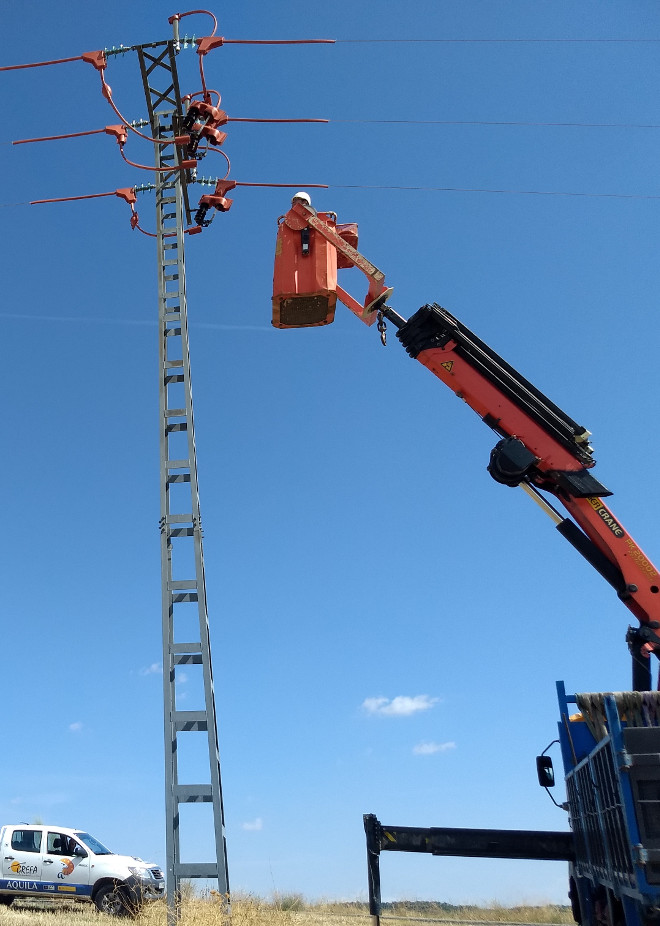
180 524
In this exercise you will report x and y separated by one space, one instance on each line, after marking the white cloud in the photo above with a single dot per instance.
429 749
76 727
401 706
154 669
254 825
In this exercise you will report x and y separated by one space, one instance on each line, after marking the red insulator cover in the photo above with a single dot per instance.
96 58
214 136
304 285
221 203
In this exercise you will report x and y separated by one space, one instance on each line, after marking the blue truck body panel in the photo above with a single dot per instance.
610 746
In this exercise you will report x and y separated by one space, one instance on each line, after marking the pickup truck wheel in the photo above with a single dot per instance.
112 900
5 900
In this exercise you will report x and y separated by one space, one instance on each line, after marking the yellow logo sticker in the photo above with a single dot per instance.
639 559
606 517
448 364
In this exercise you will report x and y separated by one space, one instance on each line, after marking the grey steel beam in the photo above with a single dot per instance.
470 843
479 843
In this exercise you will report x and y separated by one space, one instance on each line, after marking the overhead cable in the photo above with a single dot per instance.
454 189
582 125
490 41
40 64
357 186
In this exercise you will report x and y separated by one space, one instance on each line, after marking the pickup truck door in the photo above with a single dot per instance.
21 860
65 864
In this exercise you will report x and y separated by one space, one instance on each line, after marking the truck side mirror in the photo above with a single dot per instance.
80 852
545 771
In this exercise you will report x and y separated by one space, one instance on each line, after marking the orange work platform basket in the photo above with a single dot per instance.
305 276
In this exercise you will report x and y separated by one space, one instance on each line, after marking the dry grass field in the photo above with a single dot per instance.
287 911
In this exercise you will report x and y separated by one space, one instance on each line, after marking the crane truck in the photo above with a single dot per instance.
610 742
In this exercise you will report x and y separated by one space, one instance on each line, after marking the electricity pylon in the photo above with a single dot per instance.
180 522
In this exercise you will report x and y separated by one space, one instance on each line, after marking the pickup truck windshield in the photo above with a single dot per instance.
97 847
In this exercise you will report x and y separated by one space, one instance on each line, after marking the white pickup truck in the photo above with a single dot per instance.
53 861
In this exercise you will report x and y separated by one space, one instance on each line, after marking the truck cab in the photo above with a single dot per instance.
56 861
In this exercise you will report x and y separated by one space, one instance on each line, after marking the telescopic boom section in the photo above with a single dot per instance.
540 447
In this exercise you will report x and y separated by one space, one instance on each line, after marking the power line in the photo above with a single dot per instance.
478 122
475 122
468 41
423 189
453 189
582 125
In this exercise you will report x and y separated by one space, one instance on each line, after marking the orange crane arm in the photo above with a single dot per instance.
540 448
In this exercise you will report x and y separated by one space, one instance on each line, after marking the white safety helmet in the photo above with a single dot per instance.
302 197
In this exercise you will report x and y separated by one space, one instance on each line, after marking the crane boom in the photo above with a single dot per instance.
540 448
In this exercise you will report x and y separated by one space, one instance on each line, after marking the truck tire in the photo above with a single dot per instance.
5 900
111 899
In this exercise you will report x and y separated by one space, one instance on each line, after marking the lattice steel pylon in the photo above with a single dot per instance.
182 560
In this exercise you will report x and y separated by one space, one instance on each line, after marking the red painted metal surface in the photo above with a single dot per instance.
349 234
487 399
305 290
305 274
591 514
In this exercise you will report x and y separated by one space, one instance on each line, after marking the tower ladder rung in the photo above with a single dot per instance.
186 647
179 597
197 869
190 721
193 794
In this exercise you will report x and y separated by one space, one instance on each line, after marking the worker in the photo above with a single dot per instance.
303 198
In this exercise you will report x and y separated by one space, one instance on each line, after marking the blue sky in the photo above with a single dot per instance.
387 623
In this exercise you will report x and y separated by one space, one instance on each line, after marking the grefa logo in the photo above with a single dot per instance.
19 869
